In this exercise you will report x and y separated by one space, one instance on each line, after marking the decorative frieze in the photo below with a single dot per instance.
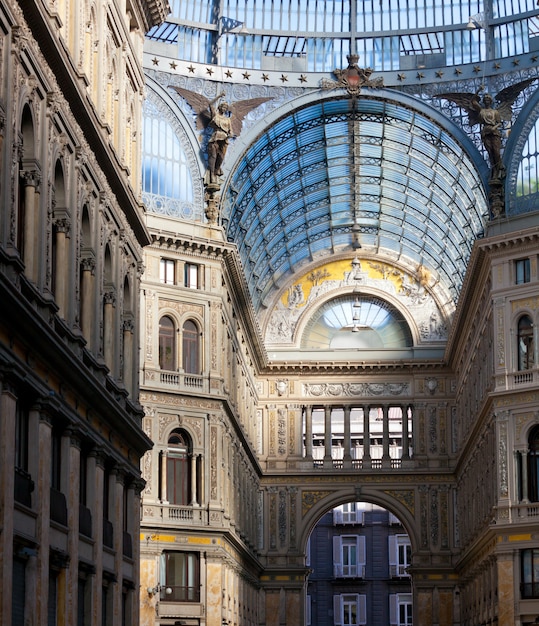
354 389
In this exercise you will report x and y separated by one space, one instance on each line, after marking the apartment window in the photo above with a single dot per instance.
400 555
350 609
180 577
348 513
525 343
167 271
179 468
349 556
522 271
191 275
167 344
529 565
400 609
190 345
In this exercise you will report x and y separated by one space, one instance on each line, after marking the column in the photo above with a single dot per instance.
115 586
193 462
327 435
386 461
108 329
366 436
87 300
43 507
405 433
524 473
347 458
308 411
8 408
128 355
30 252
61 263
70 474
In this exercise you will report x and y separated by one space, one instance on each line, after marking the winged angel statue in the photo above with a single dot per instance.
225 121
489 118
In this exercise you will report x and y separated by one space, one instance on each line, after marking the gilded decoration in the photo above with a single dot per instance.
525 303
405 497
310 498
411 291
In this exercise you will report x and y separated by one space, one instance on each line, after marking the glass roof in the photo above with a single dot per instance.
340 174
317 35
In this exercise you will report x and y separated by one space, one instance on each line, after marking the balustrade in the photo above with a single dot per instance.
357 437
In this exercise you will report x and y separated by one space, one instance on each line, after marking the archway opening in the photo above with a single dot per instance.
359 554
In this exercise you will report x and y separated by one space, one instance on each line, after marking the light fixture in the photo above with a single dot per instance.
152 591
471 25
476 21
356 312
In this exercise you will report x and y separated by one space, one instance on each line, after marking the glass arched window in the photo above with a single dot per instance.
525 343
167 344
191 349
533 465
179 468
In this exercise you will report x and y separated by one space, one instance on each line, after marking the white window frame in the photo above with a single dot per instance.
344 563
343 605
192 277
396 601
166 268
348 513
399 548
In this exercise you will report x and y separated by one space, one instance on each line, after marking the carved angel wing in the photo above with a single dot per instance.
464 100
240 109
200 105
506 97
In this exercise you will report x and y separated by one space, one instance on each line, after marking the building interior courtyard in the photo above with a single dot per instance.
260 262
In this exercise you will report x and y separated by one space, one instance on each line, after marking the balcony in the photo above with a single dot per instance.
181 515
179 381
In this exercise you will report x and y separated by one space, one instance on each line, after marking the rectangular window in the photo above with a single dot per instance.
350 609
180 577
400 555
191 275
400 609
522 271
167 271
349 556
529 576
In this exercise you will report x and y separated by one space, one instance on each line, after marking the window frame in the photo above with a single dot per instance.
167 341
192 275
522 271
166 268
191 348
188 568
349 556
525 343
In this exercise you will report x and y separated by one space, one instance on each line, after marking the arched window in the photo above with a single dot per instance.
167 344
533 465
525 343
190 345
179 468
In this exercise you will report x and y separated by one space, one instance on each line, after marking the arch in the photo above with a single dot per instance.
179 467
191 347
167 343
525 343
365 494
359 321
292 193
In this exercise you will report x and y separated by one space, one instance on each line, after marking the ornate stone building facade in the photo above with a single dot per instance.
347 312
71 239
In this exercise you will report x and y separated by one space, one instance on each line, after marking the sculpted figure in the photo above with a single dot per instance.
224 121
490 118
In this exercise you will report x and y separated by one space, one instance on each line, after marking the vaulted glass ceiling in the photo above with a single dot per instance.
339 174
